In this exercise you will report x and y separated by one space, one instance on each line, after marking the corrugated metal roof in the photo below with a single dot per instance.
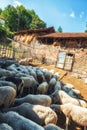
48 30
64 35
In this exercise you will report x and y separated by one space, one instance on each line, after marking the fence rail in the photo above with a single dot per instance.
6 51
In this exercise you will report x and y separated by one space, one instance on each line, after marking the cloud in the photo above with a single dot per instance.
81 14
17 3
72 14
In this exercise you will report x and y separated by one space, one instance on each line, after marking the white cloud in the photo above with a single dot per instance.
17 3
72 14
81 14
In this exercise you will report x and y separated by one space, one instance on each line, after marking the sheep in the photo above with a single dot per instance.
44 100
40 76
5 126
67 87
13 67
76 113
42 88
46 113
63 98
56 75
27 111
37 113
4 72
18 122
52 83
52 127
7 96
18 82
75 93
58 86
7 83
32 72
30 83
47 75
52 71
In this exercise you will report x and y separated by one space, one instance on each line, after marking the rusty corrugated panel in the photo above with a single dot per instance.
65 35
46 30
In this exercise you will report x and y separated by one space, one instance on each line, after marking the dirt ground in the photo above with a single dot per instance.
66 77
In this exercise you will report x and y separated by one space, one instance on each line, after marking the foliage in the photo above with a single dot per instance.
60 29
3 31
24 18
10 15
86 27
36 21
0 10
19 18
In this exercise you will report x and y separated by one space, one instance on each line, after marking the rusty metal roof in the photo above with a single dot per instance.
64 35
45 30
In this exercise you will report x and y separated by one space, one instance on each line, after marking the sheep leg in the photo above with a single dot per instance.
84 127
67 122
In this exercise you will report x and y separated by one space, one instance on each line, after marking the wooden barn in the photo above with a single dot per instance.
46 43
72 40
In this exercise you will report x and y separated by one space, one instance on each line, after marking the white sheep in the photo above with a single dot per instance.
7 96
5 126
46 113
37 113
39 99
63 98
18 122
76 113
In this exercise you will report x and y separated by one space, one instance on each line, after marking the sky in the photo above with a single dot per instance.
71 15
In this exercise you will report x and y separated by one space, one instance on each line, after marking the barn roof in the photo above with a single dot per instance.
43 30
64 35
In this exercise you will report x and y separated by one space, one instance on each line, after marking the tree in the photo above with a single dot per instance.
0 10
19 18
24 17
86 27
36 21
60 29
3 32
10 15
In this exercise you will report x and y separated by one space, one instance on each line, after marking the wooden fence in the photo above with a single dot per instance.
10 52
6 51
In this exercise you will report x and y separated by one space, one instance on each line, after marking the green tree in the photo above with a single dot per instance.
60 29
10 15
0 10
3 32
24 18
86 27
19 18
36 21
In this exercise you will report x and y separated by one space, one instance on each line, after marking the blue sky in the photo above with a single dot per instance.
71 15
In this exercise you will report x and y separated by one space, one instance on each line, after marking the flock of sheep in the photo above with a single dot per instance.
31 98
